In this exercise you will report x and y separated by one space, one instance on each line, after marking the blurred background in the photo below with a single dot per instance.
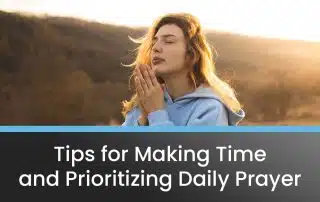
60 61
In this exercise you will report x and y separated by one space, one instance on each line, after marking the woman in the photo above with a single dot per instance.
175 81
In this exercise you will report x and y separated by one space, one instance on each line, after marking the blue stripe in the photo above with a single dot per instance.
277 129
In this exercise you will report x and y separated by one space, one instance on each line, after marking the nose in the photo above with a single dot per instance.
157 47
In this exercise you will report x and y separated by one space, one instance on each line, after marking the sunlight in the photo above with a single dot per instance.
273 18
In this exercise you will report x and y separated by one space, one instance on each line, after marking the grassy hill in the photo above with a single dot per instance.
56 70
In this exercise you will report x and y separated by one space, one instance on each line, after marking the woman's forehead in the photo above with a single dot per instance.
169 30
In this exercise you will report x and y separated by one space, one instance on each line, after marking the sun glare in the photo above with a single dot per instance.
270 18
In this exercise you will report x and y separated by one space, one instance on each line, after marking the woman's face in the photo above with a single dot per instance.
168 50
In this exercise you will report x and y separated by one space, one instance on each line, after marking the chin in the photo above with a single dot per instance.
160 70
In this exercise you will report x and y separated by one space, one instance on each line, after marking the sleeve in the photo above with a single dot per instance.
131 119
159 118
205 114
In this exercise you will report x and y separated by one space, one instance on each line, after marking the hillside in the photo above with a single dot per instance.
57 70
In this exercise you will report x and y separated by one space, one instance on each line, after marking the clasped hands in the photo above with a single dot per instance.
149 91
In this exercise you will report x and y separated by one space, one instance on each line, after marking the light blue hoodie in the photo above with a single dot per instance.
201 107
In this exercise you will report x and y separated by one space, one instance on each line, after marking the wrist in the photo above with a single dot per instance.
155 109
143 120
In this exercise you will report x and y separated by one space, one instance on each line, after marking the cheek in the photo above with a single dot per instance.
176 56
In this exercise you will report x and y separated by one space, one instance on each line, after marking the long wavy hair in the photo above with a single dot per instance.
203 71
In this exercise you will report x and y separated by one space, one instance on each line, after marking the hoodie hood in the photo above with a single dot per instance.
205 93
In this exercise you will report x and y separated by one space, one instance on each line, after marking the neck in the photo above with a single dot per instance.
179 85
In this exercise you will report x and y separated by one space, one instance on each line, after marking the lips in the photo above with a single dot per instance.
157 60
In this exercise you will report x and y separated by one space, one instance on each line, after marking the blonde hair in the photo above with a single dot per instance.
204 71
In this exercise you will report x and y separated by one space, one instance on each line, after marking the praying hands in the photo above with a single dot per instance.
149 91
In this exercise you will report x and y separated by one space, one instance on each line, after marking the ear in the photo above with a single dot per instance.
191 56
196 58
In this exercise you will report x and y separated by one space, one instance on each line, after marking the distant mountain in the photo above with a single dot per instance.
94 46
49 57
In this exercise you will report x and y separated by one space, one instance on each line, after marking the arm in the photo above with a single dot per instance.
159 118
129 122
131 119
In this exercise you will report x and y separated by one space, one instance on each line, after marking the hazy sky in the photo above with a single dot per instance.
292 19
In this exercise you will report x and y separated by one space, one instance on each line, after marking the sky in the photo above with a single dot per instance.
286 19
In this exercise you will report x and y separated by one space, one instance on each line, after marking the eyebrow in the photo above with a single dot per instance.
164 36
